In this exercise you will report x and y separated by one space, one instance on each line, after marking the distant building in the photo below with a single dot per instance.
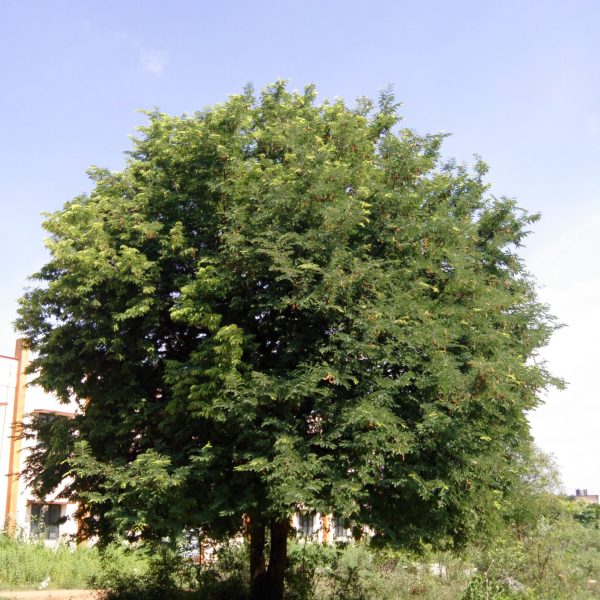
585 497
19 509
320 527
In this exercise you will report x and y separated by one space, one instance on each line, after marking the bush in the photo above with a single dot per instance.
309 564
172 574
359 572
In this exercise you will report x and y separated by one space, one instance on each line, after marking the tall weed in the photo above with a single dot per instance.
32 564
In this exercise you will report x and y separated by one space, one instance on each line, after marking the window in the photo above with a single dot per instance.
306 523
340 531
43 421
43 522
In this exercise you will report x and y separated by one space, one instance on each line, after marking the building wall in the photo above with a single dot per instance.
585 497
8 382
18 399
320 527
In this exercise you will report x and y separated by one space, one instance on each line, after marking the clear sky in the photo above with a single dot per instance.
517 82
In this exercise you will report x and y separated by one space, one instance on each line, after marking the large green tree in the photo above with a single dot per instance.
282 305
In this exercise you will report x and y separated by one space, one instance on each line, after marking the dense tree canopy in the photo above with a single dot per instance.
279 305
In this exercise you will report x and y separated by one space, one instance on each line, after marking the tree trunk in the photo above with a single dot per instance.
258 572
277 559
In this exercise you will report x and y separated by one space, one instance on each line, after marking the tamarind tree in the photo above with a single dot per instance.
280 305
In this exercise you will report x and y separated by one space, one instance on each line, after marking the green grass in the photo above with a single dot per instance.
25 565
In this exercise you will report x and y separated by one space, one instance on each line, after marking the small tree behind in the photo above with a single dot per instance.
278 305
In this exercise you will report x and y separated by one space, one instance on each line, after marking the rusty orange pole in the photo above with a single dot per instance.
14 457
325 521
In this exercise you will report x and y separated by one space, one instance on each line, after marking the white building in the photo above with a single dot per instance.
20 511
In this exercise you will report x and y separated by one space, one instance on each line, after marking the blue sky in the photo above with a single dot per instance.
517 82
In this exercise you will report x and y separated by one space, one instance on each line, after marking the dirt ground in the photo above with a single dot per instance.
48 594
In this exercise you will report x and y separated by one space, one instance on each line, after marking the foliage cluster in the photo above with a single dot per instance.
556 558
